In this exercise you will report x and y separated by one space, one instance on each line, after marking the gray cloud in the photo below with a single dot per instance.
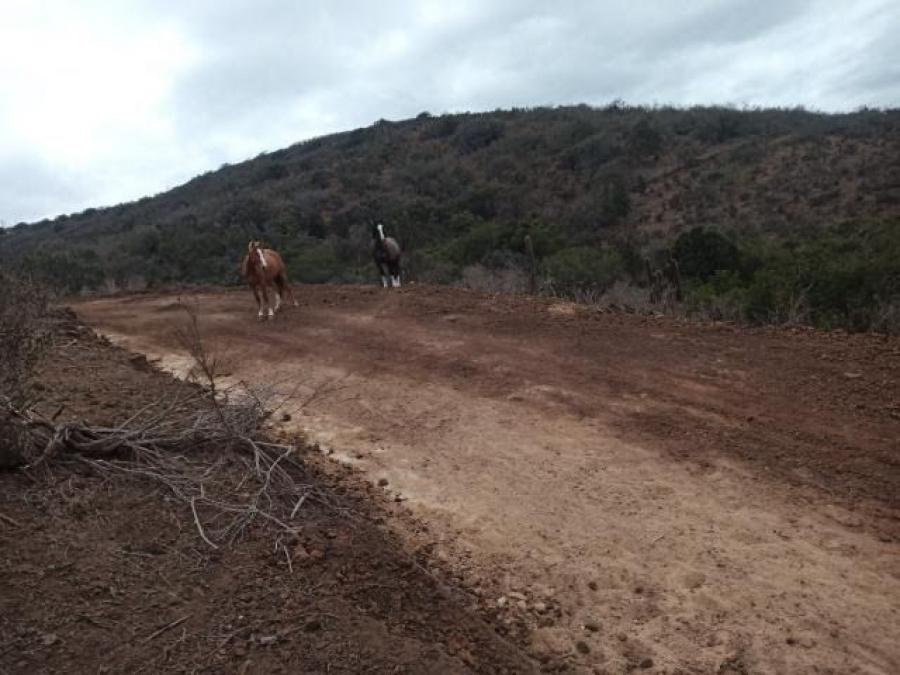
37 188
259 75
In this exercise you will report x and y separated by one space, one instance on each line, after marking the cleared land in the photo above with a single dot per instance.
621 491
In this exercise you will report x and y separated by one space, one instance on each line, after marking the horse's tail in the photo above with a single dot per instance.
284 286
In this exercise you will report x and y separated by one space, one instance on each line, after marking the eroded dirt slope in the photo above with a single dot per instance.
103 576
623 492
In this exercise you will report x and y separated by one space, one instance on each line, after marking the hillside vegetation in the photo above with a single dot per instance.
779 215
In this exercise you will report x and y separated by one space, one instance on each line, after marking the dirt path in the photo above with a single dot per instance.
632 491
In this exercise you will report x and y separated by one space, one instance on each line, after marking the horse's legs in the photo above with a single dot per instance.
383 272
258 301
284 288
395 274
265 294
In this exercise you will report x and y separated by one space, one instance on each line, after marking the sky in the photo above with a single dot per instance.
105 102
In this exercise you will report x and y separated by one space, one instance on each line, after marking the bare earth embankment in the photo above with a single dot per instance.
624 491
99 574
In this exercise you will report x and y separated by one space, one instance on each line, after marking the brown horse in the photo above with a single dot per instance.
261 268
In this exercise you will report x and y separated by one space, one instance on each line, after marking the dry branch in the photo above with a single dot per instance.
16 523
168 626
168 450
205 448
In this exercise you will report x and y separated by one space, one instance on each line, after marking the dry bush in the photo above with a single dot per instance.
109 286
621 295
207 453
503 280
24 333
136 283
205 447
794 310
628 296
886 317
724 307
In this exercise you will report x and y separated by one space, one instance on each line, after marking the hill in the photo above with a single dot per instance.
598 189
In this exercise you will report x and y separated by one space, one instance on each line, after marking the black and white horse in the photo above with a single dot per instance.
387 255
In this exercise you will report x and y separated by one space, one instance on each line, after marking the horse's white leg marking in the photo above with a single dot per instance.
396 280
277 301
384 281
271 313
258 301
264 305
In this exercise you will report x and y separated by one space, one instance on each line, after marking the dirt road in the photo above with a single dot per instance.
633 491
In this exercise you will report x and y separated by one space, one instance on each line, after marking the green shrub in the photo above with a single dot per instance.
591 154
477 133
313 264
845 278
582 268
440 127
644 141
701 253
479 241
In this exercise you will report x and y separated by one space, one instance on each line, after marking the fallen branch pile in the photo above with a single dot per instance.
204 448
205 452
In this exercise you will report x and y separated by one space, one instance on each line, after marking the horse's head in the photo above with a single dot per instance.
255 254
377 231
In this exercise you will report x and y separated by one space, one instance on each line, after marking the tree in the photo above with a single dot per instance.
644 141
701 253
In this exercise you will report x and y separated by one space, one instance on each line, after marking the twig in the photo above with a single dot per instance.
287 556
199 526
93 621
299 504
11 521
168 626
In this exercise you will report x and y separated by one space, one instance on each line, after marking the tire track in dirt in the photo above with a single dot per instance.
629 490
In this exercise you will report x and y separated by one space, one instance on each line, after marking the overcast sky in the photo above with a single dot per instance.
103 102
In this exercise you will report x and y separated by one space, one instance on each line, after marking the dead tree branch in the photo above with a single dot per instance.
204 447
